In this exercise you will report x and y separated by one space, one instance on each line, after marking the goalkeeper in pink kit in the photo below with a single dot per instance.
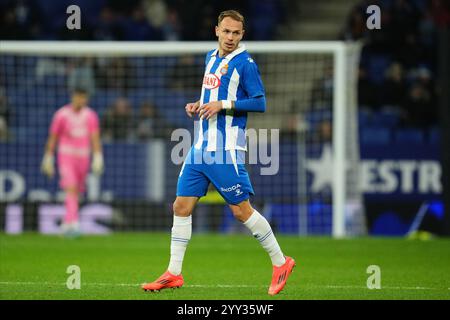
75 131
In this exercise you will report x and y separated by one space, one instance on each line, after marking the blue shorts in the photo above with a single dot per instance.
230 178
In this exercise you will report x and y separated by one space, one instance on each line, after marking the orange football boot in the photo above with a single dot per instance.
167 280
280 275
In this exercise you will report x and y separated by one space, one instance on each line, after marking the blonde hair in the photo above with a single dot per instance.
233 14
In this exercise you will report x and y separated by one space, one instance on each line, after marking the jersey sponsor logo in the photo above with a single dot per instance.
211 81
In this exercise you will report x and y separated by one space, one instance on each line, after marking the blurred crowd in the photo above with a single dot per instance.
119 123
399 61
397 72
134 20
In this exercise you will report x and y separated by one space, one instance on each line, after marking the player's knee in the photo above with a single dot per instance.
181 209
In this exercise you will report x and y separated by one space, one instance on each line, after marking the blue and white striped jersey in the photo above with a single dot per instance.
233 77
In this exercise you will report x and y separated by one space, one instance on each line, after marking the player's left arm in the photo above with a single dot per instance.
253 87
97 156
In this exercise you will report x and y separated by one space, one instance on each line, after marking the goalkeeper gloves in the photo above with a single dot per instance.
48 166
97 163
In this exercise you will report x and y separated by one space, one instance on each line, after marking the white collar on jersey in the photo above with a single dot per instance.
241 48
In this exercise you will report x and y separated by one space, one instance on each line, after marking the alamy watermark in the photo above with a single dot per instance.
262 146
374 20
74 278
374 280
73 22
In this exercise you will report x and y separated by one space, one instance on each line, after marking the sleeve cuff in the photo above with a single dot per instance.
226 104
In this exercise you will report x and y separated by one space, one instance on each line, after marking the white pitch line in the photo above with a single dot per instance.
30 283
232 286
129 284
386 287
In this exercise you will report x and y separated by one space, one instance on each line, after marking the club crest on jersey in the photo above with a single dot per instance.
211 81
224 70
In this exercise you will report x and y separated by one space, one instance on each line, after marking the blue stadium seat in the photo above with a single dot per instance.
434 136
388 119
314 118
414 136
375 135
377 64
364 118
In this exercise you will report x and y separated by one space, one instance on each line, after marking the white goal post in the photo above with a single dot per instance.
344 58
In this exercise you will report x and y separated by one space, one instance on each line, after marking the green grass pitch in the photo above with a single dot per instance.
222 267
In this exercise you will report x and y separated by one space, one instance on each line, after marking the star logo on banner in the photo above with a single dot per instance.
322 170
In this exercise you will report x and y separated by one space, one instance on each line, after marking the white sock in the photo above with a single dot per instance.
262 231
181 234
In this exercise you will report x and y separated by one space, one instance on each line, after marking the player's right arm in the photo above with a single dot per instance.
192 108
48 162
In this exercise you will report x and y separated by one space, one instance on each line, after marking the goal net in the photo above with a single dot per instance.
303 156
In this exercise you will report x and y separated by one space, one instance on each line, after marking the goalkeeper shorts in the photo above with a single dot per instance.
73 171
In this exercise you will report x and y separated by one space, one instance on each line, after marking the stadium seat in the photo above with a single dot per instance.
388 119
364 118
319 115
375 135
414 136
434 136
377 64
